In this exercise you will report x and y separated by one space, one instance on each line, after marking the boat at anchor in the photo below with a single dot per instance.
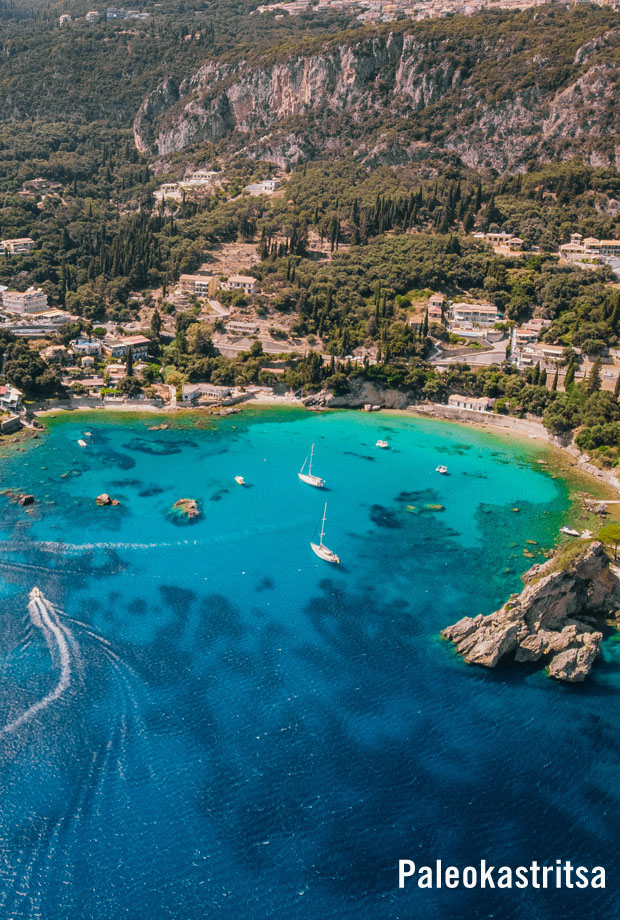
309 477
322 551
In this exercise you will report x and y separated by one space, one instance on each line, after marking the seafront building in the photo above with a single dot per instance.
473 403
10 398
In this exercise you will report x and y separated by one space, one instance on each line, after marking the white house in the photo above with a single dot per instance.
476 404
192 392
479 314
86 346
244 283
139 345
10 398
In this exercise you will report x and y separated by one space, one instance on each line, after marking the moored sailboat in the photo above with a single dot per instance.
309 477
322 551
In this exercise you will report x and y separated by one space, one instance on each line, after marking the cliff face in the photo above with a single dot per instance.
369 93
556 619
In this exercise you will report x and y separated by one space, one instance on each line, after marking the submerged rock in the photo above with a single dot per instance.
188 507
554 619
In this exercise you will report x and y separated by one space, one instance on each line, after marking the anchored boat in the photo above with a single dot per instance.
322 551
309 477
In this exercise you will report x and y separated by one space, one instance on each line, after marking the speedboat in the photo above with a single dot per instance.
585 534
309 478
322 551
569 531
82 443
240 480
382 444
441 469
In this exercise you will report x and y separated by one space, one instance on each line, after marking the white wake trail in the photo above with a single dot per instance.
58 639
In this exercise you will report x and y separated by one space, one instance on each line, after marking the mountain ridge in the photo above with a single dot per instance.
543 86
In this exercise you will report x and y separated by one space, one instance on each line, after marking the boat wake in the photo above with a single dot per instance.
108 755
60 641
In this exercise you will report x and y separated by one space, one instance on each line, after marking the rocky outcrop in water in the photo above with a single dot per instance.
105 499
557 619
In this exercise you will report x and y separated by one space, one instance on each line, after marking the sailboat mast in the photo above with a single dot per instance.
311 455
323 523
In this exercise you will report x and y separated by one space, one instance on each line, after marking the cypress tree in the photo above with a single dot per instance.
594 378
554 385
569 380
129 362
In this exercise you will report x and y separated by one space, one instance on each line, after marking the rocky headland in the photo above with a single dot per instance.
558 619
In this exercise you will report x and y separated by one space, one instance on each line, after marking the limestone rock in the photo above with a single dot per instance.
105 499
554 618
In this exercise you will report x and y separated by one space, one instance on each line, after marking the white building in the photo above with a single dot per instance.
86 347
199 285
10 398
34 300
476 404
244 283
139 345
478 314
17 247
192 392
266 187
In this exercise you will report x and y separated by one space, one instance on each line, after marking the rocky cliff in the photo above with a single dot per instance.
557 618
395 96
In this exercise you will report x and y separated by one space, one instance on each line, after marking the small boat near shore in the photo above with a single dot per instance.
322 551
441 469
82 443
240 480
569 531
309 478
382 444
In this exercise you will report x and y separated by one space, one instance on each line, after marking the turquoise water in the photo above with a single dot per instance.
204 719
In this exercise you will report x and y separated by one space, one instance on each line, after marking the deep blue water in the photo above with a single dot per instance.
208 721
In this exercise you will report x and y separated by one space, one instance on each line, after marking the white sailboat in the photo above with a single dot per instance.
309 477
322 551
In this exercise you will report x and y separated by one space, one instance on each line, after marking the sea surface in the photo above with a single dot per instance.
202 719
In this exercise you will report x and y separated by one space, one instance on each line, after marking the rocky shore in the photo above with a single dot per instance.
557 619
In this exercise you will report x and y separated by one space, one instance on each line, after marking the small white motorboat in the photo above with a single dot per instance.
586 534
441 469
322 551
240 480
88 434
382 444
569 531
82 443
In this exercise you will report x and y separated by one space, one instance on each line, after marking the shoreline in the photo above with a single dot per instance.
518 429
